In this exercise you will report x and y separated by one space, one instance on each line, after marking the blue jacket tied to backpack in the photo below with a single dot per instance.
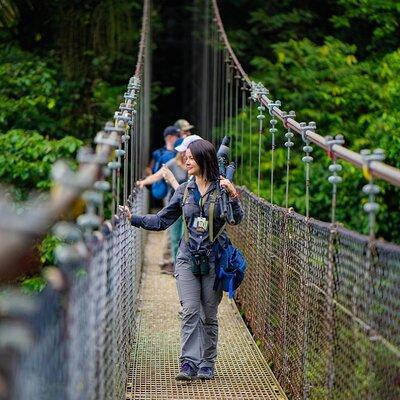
231 266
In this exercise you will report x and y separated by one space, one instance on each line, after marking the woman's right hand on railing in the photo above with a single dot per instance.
125 211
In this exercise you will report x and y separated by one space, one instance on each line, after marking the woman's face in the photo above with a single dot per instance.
191 165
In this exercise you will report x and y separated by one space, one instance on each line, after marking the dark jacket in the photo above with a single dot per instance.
169 214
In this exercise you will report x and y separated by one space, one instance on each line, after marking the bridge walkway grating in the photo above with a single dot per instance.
241 370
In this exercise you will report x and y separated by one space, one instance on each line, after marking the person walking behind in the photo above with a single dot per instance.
160 157
197 256
171 135
174 173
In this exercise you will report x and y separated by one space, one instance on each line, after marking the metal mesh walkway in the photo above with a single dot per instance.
241 370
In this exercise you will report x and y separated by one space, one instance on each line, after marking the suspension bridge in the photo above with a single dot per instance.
321 301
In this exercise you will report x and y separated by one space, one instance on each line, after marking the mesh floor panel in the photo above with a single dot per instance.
241 370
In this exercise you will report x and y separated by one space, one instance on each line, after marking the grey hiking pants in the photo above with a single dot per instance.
199 328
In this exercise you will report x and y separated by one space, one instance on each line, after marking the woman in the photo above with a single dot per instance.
195 263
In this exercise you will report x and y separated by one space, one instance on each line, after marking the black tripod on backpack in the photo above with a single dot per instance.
227 171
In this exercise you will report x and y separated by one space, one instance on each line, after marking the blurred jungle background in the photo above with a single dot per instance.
64 65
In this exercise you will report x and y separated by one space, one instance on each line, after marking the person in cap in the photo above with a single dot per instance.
198 254
159 157
184 126
171 134
174 173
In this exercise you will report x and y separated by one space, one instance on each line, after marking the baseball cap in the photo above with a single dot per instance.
171 130
187 141
183 125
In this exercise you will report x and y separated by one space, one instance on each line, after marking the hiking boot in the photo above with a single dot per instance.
168 269
187 373
205 373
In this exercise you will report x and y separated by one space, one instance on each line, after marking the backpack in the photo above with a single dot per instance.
231 264
160 188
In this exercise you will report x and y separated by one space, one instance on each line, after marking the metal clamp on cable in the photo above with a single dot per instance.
130 95
134 83
371 207
272 131
257 90
63 175
110 127
334 179
288 144
126 107
307 159
123 116
286 116
86 155
104 139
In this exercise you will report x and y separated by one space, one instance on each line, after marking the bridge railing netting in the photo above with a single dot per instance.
324 303
80 333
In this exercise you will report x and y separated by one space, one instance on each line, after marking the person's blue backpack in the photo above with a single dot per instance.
160 188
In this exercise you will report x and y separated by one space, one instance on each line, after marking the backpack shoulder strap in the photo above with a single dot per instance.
211 212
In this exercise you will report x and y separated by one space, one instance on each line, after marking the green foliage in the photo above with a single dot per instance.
26 158
46 249
33 285
326 83
372 25
29 93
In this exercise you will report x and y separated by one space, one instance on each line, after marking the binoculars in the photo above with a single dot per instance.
200 264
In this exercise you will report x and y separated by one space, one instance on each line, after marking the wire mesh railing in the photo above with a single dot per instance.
73 340
323 301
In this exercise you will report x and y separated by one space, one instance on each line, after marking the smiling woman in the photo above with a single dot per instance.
201 161
196 267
